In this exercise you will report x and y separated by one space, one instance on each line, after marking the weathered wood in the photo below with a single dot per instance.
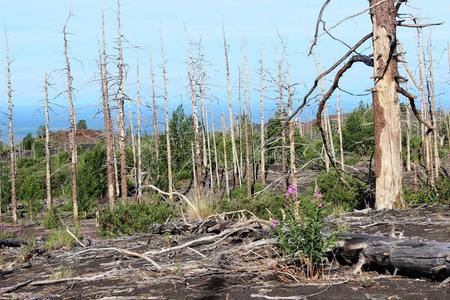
413 258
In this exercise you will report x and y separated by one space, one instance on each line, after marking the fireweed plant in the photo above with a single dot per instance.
302 236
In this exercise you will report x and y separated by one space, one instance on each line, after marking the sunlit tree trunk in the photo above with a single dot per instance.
166 116
283 123
236 171
339 124
133 146
408 139
139 135
154 112
388 164
262 168
246 120
216 160
12 151
225 160
121 115
73 146
108 132
433 115
48 180
293 169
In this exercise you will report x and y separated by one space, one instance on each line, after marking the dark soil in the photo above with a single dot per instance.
217 271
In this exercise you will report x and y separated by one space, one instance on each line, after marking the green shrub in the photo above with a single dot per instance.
301 236
59 239
51 220
131 218
352 195
263 206
426 195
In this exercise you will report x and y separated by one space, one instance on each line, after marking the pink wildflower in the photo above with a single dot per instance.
274 223
291 191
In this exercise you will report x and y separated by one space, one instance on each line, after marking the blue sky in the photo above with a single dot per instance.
34 29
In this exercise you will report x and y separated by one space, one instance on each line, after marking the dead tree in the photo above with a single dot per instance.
246 120
291 125
166 116
133 146
262 167
73 128
108 132
154 112
339 124
388 165
225 161
48 177
12 151
283 121
139 134
433 116
192 77
216 160
121 107
236 170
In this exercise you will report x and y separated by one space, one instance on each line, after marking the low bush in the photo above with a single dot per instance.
353 194
265 205
131 218
51 220
439 194
59 239
301 236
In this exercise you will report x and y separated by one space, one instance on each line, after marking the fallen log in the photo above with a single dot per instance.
412 258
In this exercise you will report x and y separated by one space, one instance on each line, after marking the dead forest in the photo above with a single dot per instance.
270 188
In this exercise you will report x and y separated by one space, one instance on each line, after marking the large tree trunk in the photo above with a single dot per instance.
73 128
108 132
388 163
48 180
12 151
121 116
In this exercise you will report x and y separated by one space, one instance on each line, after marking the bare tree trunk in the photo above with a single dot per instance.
262 168
166 116
12 151
388 164
108 133
236 171
425 137
293 170
324 121
408 139
433 115
246 120
155 112
139 136
330 134
73 128
283 123
339 124
193 88
133 146
216 161
225 160
48 180
208 144
121 116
